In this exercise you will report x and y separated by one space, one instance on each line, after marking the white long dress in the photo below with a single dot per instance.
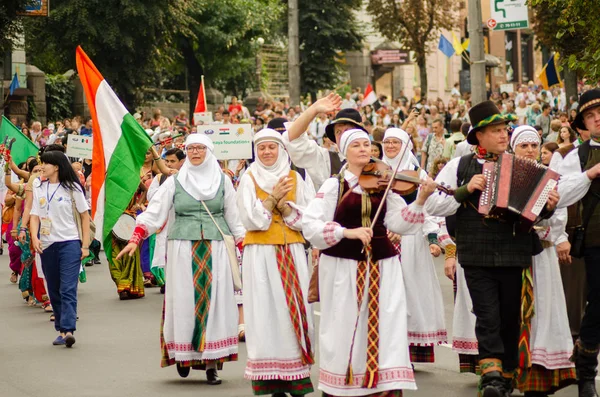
338 297
179 317
464 340
551 342
272 345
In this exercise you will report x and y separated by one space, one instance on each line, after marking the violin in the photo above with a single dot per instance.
377 175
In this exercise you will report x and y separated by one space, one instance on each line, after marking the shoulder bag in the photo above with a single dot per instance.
230 245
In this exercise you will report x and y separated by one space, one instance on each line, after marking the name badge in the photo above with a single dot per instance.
45 227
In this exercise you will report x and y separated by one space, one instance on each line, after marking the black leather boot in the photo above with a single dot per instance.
493 385
586 363
212 378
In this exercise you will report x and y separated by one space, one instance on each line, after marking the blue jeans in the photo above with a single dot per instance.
61 263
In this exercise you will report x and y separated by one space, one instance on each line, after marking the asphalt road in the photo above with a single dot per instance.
117 351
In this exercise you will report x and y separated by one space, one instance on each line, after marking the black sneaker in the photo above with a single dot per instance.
69 340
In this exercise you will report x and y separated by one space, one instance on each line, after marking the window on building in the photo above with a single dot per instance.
526 58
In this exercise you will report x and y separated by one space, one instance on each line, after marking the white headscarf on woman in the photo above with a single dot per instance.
349 136
408 158
202 181
524 134
267 176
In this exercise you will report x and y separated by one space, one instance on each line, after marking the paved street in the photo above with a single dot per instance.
117 351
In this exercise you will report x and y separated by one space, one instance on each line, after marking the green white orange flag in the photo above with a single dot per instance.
120 146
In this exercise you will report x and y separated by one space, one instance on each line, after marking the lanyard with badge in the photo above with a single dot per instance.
46 222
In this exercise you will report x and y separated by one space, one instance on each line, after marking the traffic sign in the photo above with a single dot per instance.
491 23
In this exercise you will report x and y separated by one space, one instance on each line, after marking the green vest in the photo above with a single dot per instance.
192 222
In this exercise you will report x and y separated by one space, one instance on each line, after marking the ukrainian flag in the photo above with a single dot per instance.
550 75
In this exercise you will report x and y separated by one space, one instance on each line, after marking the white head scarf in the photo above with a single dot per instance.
351 135
408 158
267 176
524 134
202 181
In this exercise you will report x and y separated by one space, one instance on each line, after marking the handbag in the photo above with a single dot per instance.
77 217
230 245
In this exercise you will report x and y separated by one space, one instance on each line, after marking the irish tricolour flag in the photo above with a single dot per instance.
120 146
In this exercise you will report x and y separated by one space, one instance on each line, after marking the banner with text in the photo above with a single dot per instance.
508 15
79 146
203 118
232 141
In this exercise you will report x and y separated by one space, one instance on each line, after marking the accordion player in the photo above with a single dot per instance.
516 187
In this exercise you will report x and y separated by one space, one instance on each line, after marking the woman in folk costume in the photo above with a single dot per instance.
550 343
279 322
199 327
426 327
364 350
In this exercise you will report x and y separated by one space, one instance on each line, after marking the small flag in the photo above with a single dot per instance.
446 47
549 75
23 148
14 84
370 97
201 100
458 48
120 146
466 45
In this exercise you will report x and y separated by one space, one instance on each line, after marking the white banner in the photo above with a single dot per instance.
203 118
232 141
508 15
79 146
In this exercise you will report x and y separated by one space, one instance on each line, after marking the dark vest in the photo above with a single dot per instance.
336 163
592 232
348 214
488 242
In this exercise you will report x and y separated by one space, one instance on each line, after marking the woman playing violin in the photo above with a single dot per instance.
426 326
361 344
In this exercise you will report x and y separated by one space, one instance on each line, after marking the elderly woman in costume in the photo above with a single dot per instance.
199 327
279 323
551 344
363 332
426 326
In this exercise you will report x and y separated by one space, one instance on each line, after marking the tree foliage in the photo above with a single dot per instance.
327 29
415 24
10 23
571 27
130 41
59 96
220 43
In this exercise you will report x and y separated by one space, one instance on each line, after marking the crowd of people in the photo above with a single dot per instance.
303 225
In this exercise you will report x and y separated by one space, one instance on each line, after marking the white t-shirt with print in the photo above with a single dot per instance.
53 200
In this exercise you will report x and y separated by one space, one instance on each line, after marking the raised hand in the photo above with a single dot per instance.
328 103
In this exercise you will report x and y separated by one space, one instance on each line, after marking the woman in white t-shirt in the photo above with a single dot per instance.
55 236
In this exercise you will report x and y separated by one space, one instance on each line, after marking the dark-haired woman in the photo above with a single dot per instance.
55 236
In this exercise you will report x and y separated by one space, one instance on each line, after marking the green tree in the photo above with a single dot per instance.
570 27
10 22
219 43
130 41
327 29
415 24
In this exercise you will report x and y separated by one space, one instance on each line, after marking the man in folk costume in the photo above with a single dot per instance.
363 333
426 327
494 253
279 321
200 317
319 162
580 170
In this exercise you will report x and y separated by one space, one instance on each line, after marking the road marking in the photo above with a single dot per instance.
317 313
446 345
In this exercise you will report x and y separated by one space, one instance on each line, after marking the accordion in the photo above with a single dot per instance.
516 186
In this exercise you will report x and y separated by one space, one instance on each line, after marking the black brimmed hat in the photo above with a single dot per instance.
278 124
484 114
345 116
589 99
